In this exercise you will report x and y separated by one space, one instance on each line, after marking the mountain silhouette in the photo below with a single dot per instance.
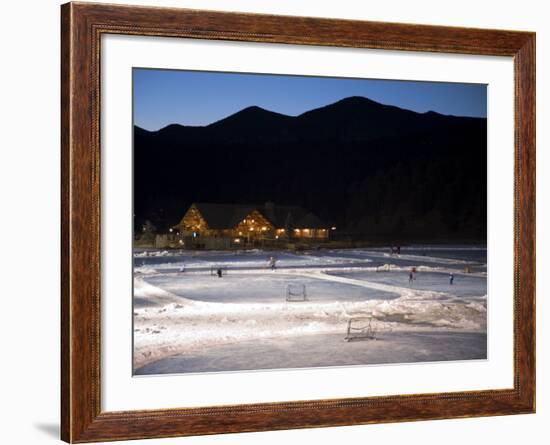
375 170
251 118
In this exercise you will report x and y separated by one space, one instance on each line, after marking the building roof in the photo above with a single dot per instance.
223 216
226 216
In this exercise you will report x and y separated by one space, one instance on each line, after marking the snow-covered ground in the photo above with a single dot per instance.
193 321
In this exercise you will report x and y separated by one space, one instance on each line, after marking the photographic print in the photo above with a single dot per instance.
285 221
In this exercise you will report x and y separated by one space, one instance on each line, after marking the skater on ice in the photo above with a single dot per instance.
272 262
412 275
182 268
451 279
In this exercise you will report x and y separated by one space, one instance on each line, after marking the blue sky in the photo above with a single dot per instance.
163 97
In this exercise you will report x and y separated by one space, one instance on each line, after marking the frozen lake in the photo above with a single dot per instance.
187 319
269 286
456 259
464 285
326 350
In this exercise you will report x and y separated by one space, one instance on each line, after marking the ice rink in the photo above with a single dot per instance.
188 319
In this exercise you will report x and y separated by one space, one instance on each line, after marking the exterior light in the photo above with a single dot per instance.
240 233
171 230
252 229
276 236
237 240
333 228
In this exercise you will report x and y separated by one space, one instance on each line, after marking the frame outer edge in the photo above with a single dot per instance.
66 418
525 97
80 229
82 419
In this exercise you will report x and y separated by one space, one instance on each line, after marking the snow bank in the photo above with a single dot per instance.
144 270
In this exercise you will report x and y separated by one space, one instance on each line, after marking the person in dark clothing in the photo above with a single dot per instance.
219 272
451 279
411 277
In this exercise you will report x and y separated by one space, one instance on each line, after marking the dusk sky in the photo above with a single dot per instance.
163 97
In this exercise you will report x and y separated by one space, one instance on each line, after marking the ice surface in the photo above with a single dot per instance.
262 287
204 260
326 350
464 285
181 314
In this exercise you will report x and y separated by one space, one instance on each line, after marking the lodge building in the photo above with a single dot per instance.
243 224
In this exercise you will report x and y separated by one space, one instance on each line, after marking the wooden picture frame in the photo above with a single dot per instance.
83 24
